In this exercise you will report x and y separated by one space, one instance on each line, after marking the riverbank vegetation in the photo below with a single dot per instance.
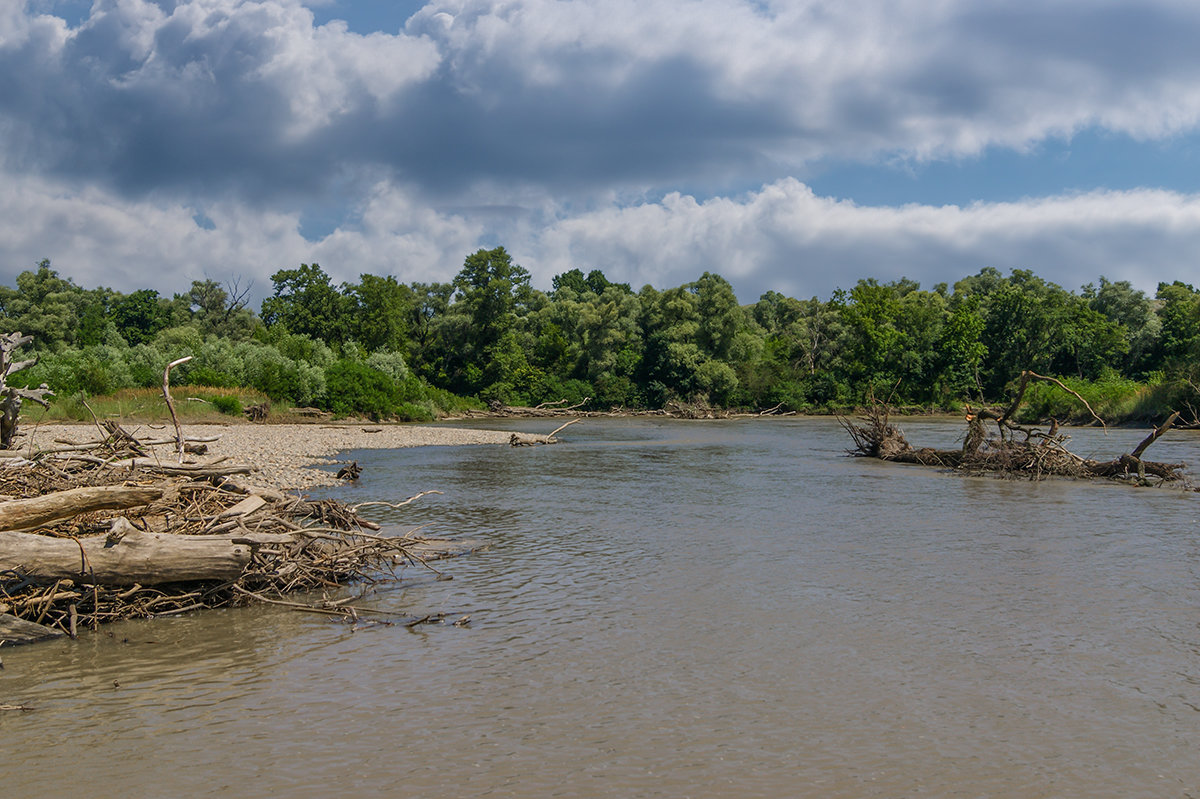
385 349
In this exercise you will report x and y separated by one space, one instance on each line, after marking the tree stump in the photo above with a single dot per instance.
11 396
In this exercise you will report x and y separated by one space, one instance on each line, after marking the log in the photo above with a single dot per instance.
19 631
24 514
134 557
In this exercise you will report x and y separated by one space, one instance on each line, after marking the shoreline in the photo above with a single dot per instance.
283 455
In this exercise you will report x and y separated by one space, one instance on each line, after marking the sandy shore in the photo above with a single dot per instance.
283 454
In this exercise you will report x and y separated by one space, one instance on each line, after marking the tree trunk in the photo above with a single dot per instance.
10 396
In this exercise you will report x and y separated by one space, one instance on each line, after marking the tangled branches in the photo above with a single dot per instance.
1012 450
92 535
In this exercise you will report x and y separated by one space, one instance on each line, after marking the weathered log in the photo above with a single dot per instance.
133 557
24 514
350 471
213 469
259 412
19 631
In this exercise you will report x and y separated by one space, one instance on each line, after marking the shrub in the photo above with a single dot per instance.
228 405
352 387
390 363
411 412
280 377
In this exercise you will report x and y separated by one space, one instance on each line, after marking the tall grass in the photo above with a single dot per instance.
192 404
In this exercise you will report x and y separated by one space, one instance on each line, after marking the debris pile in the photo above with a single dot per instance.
104 530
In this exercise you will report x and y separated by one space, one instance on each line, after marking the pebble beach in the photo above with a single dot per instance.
283 454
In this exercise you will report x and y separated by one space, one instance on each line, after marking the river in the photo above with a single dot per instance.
676 609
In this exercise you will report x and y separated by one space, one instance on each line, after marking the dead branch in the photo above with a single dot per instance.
526 440
1154 435
166 390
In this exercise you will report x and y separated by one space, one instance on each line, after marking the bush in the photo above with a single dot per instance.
355 388
230 406
390 363
411 412
280 377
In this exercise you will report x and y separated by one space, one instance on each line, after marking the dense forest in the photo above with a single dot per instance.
386 349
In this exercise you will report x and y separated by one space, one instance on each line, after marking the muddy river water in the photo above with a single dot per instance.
676 609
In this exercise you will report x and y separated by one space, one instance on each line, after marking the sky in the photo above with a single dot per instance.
794 146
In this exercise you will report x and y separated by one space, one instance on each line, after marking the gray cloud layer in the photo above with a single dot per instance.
561 129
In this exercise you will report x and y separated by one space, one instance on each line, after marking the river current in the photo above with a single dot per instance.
676 609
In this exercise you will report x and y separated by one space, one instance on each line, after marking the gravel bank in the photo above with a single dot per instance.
282 453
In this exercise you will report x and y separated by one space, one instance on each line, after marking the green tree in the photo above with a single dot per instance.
381 313
218 310
306 302
139 316
490 289
45 306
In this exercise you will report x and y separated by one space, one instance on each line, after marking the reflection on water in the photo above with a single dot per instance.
678 609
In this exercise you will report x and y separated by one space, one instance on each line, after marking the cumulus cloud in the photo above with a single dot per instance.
630 135
781 237
575 97
101 239
786 238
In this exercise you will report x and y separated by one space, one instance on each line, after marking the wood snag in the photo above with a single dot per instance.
1013 449
12 396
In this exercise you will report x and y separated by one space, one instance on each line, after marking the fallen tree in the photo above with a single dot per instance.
1012 448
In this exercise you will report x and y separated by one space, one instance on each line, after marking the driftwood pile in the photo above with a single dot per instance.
1012 449
92 533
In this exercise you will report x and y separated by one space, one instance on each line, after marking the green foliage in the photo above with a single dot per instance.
381 312
228 405
1112 398
355 388
139 316
307 303
415 351
91 371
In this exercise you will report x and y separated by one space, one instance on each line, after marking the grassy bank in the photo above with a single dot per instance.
194 404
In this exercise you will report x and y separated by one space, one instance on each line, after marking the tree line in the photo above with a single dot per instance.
386 348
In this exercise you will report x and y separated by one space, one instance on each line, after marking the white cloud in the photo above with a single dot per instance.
100 239
781 237
784 237
547 122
